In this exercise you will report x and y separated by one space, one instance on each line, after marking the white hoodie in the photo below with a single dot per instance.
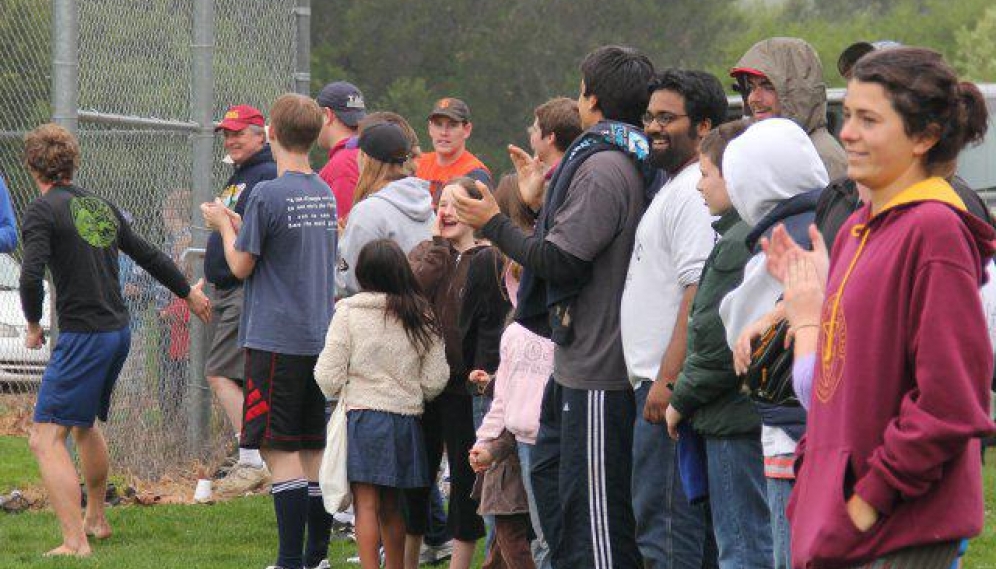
769 163
400 211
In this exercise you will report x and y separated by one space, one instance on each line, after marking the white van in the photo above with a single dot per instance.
19 366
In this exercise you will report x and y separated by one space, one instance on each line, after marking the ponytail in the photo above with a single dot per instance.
973 113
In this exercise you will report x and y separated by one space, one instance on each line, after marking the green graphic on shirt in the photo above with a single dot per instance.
95 221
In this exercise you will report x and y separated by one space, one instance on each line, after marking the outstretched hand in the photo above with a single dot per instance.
475 212
198 302
34 339
658 399
804 291
480 459
673 418
531 172
214 214
781 245
743 349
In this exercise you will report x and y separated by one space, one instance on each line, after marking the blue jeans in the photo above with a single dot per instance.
541 551
778 496
738 502
482 404
670 532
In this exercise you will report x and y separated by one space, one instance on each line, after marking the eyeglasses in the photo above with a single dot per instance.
662 119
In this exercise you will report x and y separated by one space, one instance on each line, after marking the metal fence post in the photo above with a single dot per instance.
65 95
202 150
302 61
65 63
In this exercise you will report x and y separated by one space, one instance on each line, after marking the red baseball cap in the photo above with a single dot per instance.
239 117
746 71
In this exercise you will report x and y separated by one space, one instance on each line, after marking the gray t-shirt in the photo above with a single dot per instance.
290 227
597 223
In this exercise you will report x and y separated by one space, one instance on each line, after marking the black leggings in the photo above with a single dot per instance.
448 420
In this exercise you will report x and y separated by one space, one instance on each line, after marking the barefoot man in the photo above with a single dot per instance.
77 236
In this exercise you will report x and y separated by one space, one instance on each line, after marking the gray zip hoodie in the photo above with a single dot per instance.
400 211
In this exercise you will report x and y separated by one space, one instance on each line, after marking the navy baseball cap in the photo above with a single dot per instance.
345 100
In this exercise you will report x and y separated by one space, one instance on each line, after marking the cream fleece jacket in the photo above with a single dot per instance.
369 362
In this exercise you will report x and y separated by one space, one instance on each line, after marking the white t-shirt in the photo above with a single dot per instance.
673 239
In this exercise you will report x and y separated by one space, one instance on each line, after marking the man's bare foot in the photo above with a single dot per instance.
98 529
82 551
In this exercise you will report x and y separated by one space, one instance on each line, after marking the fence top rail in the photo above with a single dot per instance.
94 117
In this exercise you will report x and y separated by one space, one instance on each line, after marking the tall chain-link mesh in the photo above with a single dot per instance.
135 60
25 84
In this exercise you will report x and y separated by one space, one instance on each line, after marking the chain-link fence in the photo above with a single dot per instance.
150 78
25 86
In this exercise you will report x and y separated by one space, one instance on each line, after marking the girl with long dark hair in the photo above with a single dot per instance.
384 359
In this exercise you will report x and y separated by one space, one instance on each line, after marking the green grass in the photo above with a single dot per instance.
239 534
17 467
982 550
236 534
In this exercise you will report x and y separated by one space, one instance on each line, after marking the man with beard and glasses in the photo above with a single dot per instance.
673 239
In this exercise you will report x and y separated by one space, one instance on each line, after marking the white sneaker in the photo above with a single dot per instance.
355 560
323 565
432 554
243 479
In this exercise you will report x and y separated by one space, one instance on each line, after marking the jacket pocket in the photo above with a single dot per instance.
822 531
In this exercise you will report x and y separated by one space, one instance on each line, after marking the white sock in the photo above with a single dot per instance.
250 457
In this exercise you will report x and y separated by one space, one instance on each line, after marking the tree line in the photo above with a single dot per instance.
504 58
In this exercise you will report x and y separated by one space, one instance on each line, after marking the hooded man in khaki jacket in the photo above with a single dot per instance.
783 77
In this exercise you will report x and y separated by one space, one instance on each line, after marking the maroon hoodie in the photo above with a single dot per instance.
901 391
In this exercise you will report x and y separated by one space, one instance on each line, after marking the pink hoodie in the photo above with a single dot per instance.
526 365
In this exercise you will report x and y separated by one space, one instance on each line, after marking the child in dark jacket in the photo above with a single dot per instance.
707 391
463 281
774 173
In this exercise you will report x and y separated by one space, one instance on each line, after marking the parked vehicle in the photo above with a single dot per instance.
19 366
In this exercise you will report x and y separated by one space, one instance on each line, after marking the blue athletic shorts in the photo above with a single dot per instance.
79 379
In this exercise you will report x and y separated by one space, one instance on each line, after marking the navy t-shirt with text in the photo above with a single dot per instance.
290 227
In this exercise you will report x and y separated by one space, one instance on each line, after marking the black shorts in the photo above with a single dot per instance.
283 407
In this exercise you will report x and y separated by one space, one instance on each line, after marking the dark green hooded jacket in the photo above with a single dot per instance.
708 390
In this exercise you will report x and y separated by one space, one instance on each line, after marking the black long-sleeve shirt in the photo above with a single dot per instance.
77 235
550 262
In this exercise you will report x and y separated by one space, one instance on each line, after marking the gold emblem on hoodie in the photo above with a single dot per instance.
833 349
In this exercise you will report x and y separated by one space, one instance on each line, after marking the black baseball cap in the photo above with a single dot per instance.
451 108
386 142
346 100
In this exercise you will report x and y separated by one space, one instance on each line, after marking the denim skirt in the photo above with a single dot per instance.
386 449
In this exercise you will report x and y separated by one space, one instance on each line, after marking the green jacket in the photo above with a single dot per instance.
708 390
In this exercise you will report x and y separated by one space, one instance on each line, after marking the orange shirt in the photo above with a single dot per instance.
466 165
